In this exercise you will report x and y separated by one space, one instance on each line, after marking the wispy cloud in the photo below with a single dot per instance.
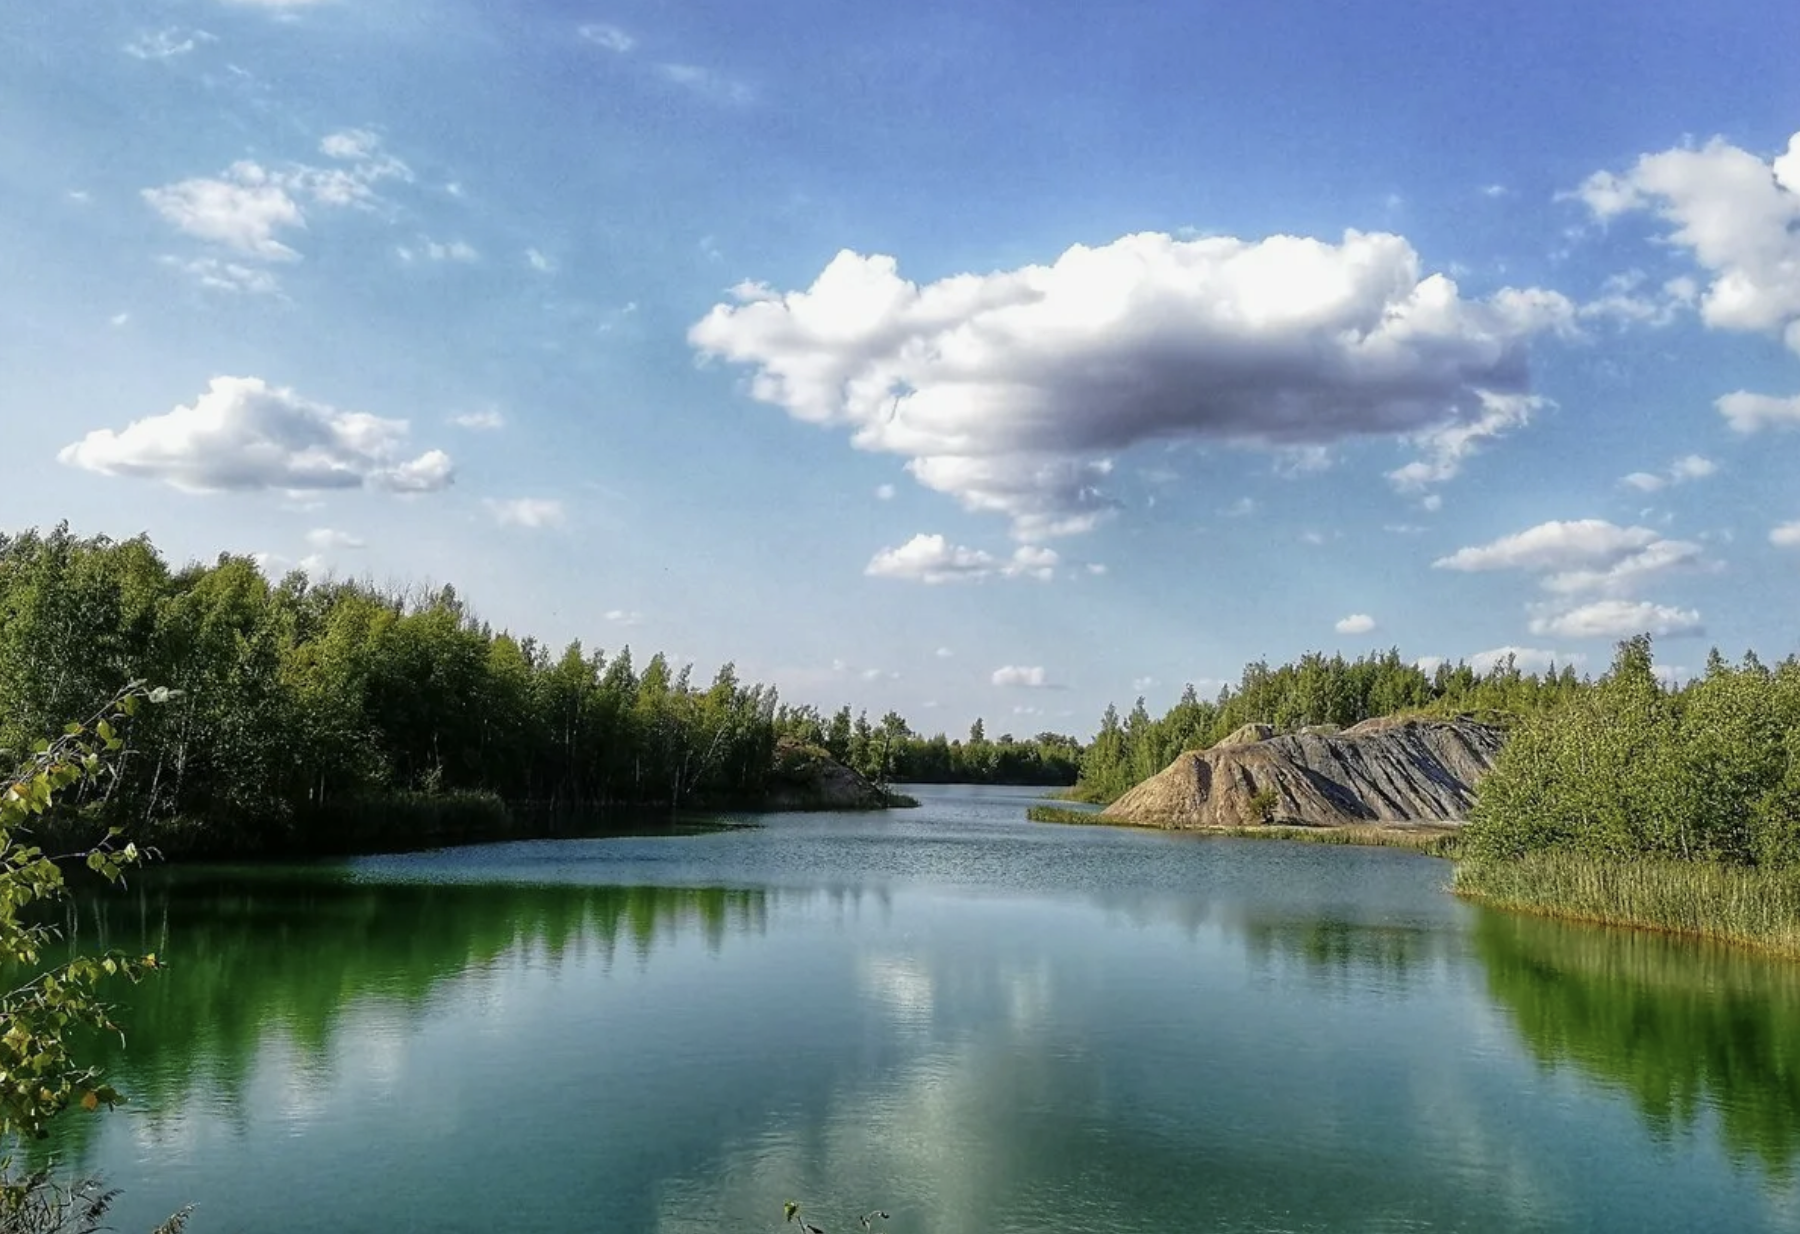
221 275
325 539
1682 470
932 559
708 84
166 44
1022 676
607 36
533 512
487 421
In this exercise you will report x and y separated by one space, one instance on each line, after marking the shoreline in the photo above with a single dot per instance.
1741 906
1433 839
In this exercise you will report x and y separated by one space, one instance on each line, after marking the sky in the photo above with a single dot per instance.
994 359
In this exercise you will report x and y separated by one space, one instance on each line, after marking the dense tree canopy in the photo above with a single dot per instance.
1627 768
301 702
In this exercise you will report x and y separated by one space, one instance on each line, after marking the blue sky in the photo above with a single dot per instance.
1002 359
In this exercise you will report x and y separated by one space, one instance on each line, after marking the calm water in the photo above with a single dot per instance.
973 1022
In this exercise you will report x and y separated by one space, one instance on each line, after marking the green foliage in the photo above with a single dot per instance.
57 1002
1626 769
305 703
39 1078
1751 906
39 1203
1315 689
1261 806
895 753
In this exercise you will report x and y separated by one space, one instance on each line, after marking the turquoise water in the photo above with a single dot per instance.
972 1022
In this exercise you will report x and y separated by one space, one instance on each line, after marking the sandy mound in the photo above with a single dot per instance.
1380 771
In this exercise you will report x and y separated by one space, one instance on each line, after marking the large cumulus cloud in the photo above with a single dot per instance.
1012 390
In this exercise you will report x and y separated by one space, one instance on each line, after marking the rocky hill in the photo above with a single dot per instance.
1386 771
806 777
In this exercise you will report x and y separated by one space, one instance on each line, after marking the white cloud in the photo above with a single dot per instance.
1525 659
244 435
1355 623
434 250
884 492
1583 555
1688 467
624 617
1738 216
610 37
1691 467
325 539
1140 684
480 421
527 511
537 261
1750 413
1447 447
933 559
1096 568
1004 389
1429 664
1021 676
248 205
119 319
1618 619
707 84
166 44
1786 535
241 210
1625 299
218 275
943 653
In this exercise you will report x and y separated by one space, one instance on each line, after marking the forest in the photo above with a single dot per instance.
1315 689
329 715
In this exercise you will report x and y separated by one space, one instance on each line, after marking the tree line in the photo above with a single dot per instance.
302 705
1316 689
1627 768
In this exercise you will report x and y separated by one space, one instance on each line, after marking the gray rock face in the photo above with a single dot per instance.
1379 771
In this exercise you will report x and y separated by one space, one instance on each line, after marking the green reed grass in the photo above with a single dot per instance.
1738 904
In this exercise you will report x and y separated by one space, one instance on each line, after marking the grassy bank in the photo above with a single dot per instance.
1436 841
1737 904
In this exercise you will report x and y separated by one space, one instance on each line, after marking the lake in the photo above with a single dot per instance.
970 1021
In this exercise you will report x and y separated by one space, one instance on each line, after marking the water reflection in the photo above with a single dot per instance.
256 955
1227 1037
1683 1028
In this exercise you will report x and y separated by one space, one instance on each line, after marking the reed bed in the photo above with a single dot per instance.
1738 904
